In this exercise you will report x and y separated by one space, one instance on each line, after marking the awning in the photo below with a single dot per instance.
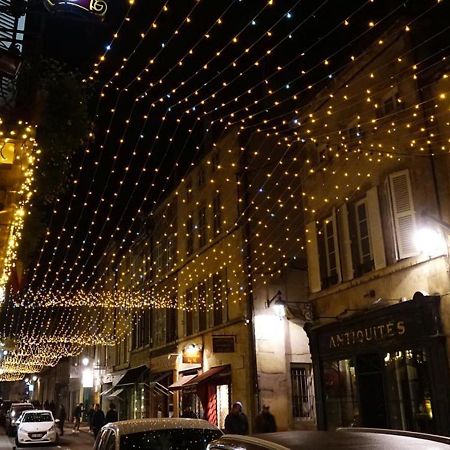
115 394
214 372
106 392
132 376
181 382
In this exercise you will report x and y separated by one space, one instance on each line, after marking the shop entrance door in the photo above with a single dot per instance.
369 374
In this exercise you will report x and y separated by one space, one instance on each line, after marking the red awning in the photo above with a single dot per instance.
213 373
181 382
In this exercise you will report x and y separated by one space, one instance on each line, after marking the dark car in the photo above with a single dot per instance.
13 414
4 408
161 434
343 439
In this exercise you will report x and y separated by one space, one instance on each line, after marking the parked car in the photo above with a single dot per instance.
161 434
343 439
36 427
13 414
4 407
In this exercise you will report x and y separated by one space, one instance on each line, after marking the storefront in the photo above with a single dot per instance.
386 368
206 394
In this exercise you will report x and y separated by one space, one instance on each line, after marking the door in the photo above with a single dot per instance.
369 375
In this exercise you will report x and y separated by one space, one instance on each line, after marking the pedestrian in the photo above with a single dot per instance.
90 413
62 418
97 420
52 407
77 412
46 405
111 415
188 413
265 421
236 421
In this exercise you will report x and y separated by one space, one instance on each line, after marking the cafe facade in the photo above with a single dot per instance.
383 368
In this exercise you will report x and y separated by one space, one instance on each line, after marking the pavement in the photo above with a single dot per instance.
69 441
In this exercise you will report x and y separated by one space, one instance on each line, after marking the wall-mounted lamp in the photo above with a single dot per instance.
85 361
279 305
34 378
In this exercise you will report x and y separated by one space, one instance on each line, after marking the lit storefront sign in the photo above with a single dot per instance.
192 354
96 7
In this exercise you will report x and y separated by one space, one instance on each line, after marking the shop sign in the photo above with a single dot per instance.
223 344
95 7
192 354
367 334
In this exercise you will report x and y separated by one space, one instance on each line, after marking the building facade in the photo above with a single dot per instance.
376 202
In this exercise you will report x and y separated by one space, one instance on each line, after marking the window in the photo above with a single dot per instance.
202 226
188 312
201 290
328 246
171 321
159 327
217 214
217 300
189 236
201 178
302 398
365 257
390 103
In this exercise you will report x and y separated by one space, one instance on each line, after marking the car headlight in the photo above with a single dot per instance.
52 428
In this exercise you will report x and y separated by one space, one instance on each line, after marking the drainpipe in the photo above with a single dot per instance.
249 322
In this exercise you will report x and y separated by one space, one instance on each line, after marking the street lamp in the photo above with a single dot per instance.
279 305
85 361
34 378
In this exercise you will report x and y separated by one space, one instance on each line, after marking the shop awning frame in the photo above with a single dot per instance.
107 391
181 382
115 394
132 376
221 371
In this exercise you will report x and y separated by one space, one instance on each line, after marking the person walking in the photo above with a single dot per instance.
265 421
46 405
111 415
98 420
62 418
89 415
236 421
77 412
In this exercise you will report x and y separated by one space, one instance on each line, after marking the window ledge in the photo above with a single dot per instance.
404 264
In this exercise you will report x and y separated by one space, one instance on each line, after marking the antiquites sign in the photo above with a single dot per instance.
367 334
95 7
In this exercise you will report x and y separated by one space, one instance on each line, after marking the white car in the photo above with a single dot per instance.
36 427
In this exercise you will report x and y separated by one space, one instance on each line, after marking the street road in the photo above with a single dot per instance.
79 441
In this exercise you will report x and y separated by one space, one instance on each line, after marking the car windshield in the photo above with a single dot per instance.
176 439
37 417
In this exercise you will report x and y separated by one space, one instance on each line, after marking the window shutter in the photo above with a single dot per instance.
376 228
313 257
403 213
347 260
336 246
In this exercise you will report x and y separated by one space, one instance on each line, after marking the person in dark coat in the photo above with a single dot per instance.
111 415
265 421
89 415
98 420
188 413
236 421
77 412
52 407
46 405
62 418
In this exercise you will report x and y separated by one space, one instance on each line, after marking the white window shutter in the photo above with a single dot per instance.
312 251
347 260
403 213
376 228
336 246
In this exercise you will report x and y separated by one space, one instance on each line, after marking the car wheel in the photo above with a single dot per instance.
18 444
